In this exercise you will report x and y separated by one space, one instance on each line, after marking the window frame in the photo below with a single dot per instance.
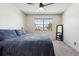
43 22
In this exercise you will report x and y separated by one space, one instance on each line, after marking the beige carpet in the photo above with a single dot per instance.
62 49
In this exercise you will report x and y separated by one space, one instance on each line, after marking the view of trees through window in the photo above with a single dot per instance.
43 24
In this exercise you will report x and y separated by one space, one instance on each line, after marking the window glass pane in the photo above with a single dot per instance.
46 22
35 21
38 22
41 22
45 25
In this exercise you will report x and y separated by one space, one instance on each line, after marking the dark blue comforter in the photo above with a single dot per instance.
28 45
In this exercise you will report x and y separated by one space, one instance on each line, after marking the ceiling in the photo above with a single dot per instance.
57 8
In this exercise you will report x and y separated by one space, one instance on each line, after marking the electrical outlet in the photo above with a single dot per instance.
74 43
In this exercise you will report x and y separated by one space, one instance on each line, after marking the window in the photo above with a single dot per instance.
42 24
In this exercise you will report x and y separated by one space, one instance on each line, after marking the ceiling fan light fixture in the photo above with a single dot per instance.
41 8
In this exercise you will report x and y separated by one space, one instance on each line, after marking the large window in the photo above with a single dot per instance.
43 24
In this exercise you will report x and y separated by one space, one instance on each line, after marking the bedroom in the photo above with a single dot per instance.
27 16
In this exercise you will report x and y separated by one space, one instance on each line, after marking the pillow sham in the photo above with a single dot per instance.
8 34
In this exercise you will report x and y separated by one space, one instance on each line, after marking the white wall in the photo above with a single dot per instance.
10 17
29 22
71 26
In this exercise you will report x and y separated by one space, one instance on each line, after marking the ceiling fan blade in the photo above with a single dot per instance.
49 4
30 3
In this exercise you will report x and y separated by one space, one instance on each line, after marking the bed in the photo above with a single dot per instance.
25 44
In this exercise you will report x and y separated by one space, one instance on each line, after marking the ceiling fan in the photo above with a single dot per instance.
41 5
